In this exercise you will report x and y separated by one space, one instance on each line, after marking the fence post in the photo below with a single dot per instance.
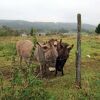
78 52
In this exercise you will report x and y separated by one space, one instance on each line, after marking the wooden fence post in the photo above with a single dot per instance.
78 52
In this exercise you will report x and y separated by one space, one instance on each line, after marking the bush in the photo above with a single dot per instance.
6 31
23 86
97 30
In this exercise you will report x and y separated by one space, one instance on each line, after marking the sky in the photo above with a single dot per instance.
51 10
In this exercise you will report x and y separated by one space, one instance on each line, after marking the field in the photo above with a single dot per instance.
61 87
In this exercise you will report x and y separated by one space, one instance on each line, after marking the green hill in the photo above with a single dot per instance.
44 26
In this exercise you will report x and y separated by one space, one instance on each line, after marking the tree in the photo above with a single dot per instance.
33 31
7 31
62 30
97 30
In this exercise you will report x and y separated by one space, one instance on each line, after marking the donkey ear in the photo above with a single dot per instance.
39 44
60 41
70 47
50 43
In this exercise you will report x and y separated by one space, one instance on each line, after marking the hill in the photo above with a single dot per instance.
44 26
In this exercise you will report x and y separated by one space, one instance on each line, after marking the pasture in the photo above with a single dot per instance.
61 87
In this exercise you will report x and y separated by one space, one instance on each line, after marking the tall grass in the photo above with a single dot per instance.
23 85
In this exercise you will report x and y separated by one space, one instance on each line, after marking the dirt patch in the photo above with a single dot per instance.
6 73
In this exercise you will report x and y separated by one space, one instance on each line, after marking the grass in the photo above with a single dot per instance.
63 87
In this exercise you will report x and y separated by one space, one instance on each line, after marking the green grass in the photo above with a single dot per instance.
63 87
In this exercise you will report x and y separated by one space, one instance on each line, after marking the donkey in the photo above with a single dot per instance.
24 50
46 54
63 54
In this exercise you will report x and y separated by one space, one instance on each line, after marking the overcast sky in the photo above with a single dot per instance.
51 10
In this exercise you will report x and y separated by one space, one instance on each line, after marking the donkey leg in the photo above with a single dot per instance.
20 60
56 72
41 70
45 70
62 72
26 63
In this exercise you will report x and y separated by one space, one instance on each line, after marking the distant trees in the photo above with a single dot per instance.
97 30
33 31
7 31
62 30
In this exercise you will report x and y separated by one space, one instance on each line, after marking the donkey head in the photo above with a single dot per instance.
64 49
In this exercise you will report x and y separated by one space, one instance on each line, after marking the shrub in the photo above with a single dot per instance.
97 30
23 86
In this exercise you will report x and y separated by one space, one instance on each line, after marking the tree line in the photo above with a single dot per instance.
7 31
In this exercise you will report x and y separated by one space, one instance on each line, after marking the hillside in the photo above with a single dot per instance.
44 26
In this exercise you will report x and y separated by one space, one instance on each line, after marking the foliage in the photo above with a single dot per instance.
63 30
23 86
33 31
7 31
97 30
